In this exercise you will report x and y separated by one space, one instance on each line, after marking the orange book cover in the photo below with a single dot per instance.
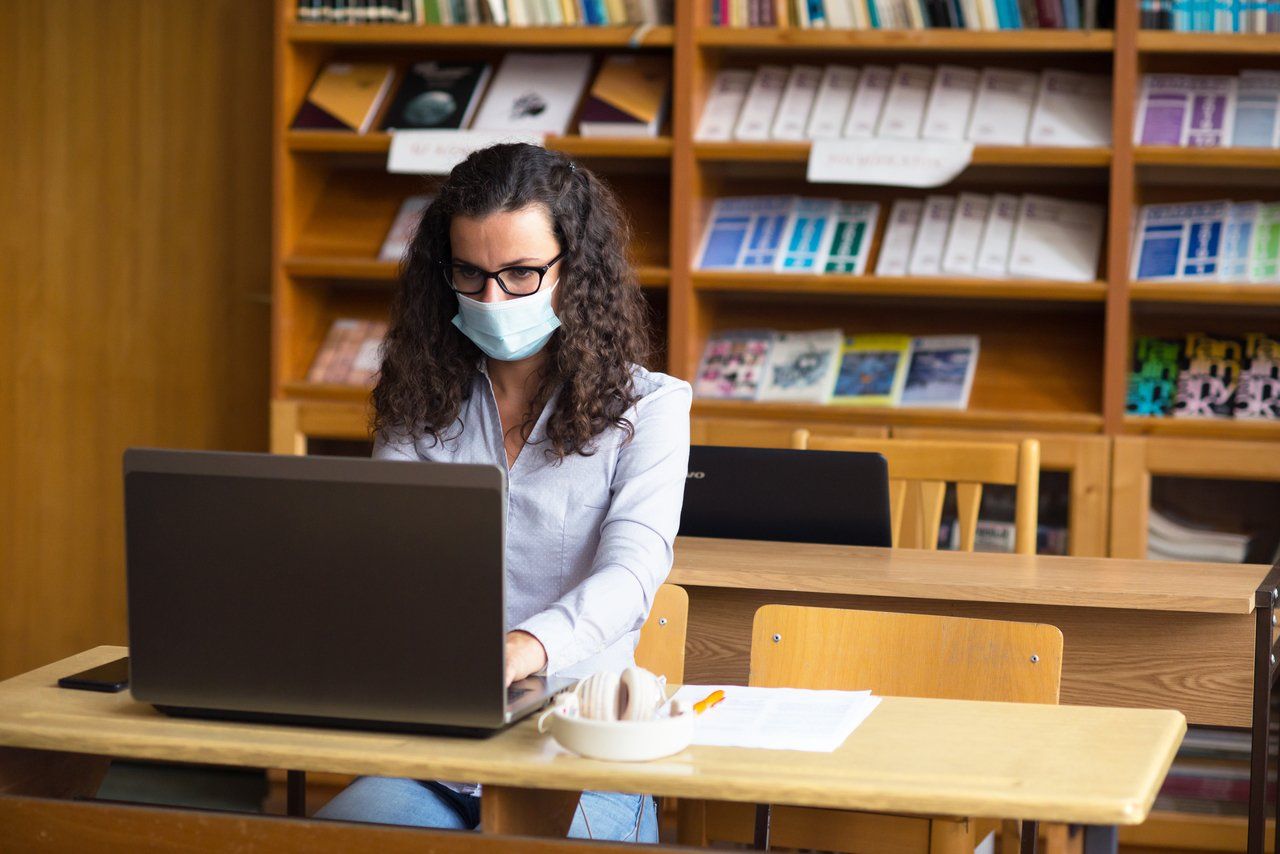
346 96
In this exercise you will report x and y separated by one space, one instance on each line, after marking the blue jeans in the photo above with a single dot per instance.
397 800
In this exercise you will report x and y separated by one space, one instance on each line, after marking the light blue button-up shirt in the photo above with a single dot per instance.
589 539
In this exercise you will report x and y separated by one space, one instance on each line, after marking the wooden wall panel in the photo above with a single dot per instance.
134 265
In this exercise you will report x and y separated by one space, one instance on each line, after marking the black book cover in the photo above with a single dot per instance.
437 95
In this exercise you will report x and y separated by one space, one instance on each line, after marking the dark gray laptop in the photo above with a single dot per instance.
320 590
833 497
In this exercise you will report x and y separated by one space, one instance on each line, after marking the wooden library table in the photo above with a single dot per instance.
1099 766
1136 633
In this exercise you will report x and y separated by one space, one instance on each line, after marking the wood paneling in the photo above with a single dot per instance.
134 263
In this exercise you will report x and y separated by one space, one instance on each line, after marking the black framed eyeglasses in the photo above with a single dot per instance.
518 281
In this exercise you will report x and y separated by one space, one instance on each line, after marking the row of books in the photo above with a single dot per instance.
534 92
825 366
1219 241
915 14
351 353
1210 16
1206 376
988 106
1169 538
973 234
1210 110
516 13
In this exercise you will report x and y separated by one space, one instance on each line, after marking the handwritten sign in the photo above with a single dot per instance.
436 152
888 162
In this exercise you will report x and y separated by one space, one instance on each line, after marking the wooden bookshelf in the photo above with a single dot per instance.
1159 41
337 142
483 35
992 155
791 38
896 286
1054 355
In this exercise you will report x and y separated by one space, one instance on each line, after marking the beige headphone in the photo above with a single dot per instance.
636 695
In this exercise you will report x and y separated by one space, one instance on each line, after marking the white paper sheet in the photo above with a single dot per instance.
778 718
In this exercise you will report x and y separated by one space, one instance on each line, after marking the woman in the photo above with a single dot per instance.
516 339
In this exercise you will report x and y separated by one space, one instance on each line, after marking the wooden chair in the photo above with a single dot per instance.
759 433
905 655
661 645
920 469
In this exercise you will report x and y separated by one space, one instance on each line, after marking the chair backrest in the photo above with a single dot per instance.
905 655
759 433
661 646
920 469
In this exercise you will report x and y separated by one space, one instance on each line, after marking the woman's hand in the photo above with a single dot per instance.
525 655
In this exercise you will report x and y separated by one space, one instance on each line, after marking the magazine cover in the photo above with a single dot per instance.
733 364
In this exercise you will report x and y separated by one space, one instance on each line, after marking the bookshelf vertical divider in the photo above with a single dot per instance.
1115 361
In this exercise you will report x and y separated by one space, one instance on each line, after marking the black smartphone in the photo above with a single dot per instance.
111 677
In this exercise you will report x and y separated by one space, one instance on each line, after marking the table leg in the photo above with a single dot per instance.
764 817
296 794
1030 836
1264 671
527 812
50 773
1101 839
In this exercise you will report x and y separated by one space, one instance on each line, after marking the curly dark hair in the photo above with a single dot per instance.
429 366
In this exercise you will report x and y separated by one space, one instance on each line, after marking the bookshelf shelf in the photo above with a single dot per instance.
1209 293
326 392
1202 428
485 35
1154 41
342 142
835 285
1234 158
1025 41
374 270
995 155
1065 422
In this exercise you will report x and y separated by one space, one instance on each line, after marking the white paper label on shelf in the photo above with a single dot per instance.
888 162
436 152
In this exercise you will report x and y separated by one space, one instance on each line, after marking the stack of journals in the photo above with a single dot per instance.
825 366
988 106
915 14
531 92
1209 110
1206 376
1170 539
998 236
516 13
1210 16
1218 241
351 353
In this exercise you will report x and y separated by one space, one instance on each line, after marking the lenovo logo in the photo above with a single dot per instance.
695 475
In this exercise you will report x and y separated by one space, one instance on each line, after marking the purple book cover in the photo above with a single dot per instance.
1208 120
1164 119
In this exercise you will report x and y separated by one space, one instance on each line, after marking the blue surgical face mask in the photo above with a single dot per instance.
510 330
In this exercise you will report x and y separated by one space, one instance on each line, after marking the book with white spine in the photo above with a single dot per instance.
723 104
831 104
904 105
537 92
899 237
761 104
1056 239
931 236
950 102
792 119
960 257
997 236
868 101
1002 107
1071 109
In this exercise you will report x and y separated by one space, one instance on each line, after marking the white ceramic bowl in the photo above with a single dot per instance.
619 741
